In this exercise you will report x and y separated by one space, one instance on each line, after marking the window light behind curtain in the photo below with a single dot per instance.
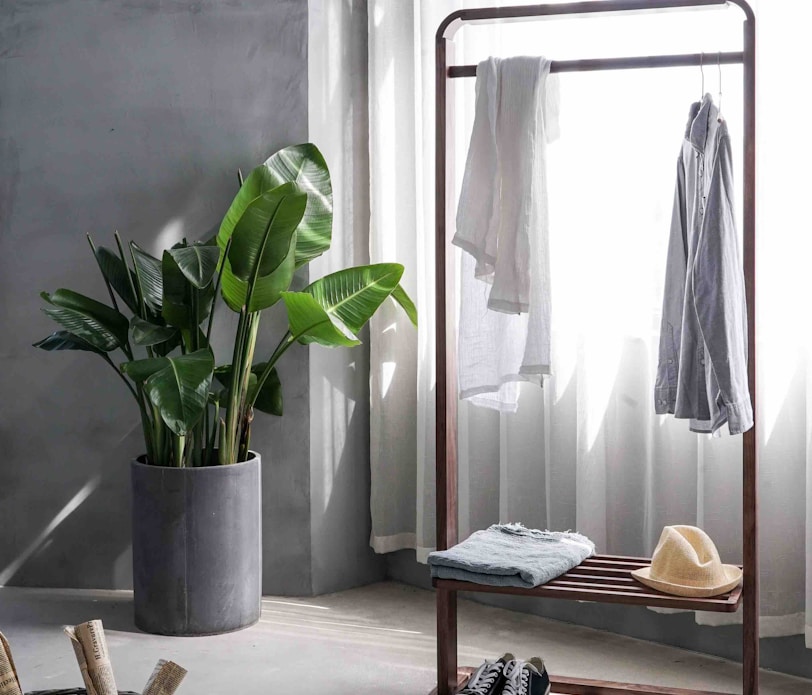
587 452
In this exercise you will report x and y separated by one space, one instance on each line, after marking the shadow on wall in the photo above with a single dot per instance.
341 519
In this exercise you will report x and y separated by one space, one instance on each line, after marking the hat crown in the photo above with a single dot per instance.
686 555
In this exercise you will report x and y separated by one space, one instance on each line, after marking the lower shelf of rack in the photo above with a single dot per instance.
606 579
562 685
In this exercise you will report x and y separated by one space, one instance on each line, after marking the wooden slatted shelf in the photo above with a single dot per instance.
606 579
563 685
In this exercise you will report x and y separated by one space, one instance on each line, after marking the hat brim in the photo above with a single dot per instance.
733 576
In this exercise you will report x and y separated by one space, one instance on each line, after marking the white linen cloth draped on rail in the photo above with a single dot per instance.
504 327
587 452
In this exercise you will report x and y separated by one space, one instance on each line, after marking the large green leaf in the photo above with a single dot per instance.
309 322
197 262
305 166
148 334
63 340
354 295
86 328
148 273
141 370
263 247
177 386
116 272
268 400
176 308
178 292
262 236
406 303
97 323
267 290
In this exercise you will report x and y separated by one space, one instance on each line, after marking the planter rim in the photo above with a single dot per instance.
254 458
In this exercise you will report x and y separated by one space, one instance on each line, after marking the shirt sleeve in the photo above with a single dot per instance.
719 297
665 386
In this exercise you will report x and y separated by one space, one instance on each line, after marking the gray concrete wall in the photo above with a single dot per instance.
130 115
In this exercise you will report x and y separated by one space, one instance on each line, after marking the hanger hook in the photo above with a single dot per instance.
702 70
719 66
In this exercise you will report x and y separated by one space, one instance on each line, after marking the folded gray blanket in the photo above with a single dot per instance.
511 555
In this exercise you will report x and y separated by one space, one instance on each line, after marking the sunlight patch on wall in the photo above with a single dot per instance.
387 374
12 568
171 234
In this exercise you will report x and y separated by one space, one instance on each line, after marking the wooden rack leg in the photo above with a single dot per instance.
750 455
446 642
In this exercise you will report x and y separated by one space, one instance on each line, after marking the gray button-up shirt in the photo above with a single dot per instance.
702 370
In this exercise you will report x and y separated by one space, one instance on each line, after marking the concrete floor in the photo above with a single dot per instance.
375 639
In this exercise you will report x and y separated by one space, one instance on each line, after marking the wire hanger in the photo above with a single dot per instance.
719 66
702 71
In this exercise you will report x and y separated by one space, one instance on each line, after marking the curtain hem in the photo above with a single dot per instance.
400 541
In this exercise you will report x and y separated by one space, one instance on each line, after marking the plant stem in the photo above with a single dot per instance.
180 442
245 438
227 447
193 333
284 344
146 425
222 429
216 289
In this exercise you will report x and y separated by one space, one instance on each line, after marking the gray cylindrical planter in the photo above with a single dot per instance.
197 548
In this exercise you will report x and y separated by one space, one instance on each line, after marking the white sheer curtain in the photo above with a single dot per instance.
587 451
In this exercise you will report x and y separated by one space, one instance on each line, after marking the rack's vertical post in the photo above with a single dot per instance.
446 416
750 456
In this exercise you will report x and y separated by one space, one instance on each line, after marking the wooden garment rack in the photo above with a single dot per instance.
602 578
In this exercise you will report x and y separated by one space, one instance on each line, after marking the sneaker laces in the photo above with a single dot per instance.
517 673
482 680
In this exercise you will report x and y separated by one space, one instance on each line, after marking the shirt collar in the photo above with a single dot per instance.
701 115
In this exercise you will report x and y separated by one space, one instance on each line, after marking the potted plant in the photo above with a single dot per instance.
196 489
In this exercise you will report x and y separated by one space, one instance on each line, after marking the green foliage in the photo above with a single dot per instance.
192 412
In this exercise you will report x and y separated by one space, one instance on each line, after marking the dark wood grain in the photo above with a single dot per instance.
625 63
446 416
446 640
564 685
584 686
749 453
603 593
446 396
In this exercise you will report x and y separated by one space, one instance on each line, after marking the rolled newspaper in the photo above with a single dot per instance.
165 679
9 684
90 648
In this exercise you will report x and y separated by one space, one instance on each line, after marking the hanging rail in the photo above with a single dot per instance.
446 394
630 63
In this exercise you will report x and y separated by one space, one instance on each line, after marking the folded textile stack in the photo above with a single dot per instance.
511 555
509 676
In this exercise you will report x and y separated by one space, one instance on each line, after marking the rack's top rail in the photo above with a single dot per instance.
449 26
634 62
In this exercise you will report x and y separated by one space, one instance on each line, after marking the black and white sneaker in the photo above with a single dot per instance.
488 679
526 678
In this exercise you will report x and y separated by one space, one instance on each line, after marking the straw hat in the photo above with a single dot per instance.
686 563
